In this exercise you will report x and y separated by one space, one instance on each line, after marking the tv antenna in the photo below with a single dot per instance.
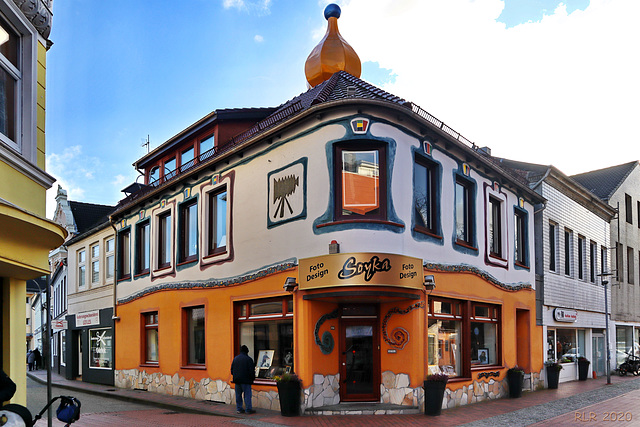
145 143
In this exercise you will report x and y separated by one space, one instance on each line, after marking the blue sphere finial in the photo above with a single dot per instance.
332 10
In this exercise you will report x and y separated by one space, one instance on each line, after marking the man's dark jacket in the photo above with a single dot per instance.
243 369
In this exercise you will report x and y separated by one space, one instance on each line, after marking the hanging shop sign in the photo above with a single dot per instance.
360 269
564 315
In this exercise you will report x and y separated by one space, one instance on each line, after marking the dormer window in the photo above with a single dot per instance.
154 174
169 168
186 159
207 144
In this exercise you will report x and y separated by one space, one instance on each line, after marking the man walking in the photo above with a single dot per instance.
243 371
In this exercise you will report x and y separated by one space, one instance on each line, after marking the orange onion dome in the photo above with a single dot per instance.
332 54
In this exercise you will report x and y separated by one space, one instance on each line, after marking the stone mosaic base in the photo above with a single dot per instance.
205 389
325 391
395 390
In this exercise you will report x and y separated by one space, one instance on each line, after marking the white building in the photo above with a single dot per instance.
572 238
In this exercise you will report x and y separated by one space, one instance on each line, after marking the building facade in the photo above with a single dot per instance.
619 186
572 235
26 236
310 237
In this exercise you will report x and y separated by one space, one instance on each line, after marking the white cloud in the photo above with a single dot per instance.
238 4
555 91
118 179
256 6
258 38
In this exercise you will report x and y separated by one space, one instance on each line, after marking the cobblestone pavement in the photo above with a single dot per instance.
573 403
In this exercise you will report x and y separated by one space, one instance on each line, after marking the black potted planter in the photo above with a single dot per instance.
583 368
289 395
434 388
553 374
515 378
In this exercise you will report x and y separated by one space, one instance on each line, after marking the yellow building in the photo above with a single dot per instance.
26 236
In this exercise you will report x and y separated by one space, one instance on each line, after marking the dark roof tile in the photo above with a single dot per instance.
604 182
88 215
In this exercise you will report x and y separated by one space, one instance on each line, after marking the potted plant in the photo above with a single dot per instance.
583 368
553 373
515 377
434 387
289 394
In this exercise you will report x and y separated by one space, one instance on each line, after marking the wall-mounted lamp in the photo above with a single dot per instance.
290 284
429 282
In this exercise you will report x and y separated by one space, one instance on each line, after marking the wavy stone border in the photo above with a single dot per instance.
482 274
215 283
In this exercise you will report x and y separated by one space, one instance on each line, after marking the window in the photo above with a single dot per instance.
553 246
10 85
463 212
581 255
266 327
521 241
619 263
164 240
186 156
195 344
461 335
100 348
95 264
207 144
638 213
82 268
63 347
568 240
630 264
593 261
425 199
628 209
154 174
170 168
565 345
142 246
217 229
495 227
360 182
150 337
188 245
124 254
109 260
603 261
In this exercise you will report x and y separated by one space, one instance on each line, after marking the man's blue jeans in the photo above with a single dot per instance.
246 390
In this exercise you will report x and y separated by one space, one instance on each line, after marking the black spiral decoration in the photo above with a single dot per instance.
399 336
327 343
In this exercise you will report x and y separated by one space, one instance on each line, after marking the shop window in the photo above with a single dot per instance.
266 328
150 337
484 335
124 254
495 227
624 343
568 254
63 347
360 174
164 240
100 348
109 247
581 255
464 212
593 261
553 246
217 222
82 268
521 238
188 236
444 338
565 345
194 335
95 264
425 197
142 246
628 205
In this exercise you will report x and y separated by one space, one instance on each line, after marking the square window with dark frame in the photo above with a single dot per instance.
188 236
360 182
464 212
217 221
425 200
164 240
124 254
142 247
194 335
150 337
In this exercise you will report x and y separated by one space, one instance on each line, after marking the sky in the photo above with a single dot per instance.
541 81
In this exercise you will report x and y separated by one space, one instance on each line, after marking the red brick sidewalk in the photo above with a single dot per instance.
449 417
